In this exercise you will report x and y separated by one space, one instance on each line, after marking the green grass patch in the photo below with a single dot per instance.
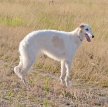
9 21
47 103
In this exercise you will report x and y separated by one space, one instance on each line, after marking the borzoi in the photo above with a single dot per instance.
58 45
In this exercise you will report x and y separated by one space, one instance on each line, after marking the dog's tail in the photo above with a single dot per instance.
18 69
24 60
24 55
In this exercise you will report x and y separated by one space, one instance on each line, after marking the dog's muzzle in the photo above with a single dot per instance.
92 36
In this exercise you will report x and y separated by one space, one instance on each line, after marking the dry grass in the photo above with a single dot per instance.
90 68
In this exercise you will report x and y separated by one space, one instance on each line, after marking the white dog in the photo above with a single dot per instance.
58 45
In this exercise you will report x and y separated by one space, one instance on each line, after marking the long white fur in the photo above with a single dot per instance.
58 45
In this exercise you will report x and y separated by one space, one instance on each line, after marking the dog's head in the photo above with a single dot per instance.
85 29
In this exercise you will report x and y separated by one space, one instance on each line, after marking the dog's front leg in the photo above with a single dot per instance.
68 72
63 72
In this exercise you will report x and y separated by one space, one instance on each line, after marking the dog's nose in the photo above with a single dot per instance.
92 36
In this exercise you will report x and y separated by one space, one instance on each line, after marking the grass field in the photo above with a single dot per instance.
90 67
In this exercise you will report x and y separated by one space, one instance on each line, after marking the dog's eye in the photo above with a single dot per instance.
87 29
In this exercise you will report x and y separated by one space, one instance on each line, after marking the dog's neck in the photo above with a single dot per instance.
77 32
80 38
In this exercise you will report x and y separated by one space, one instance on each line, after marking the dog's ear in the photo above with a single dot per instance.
82 26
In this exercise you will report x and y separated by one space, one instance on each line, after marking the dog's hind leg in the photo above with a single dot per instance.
22 69
28 60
